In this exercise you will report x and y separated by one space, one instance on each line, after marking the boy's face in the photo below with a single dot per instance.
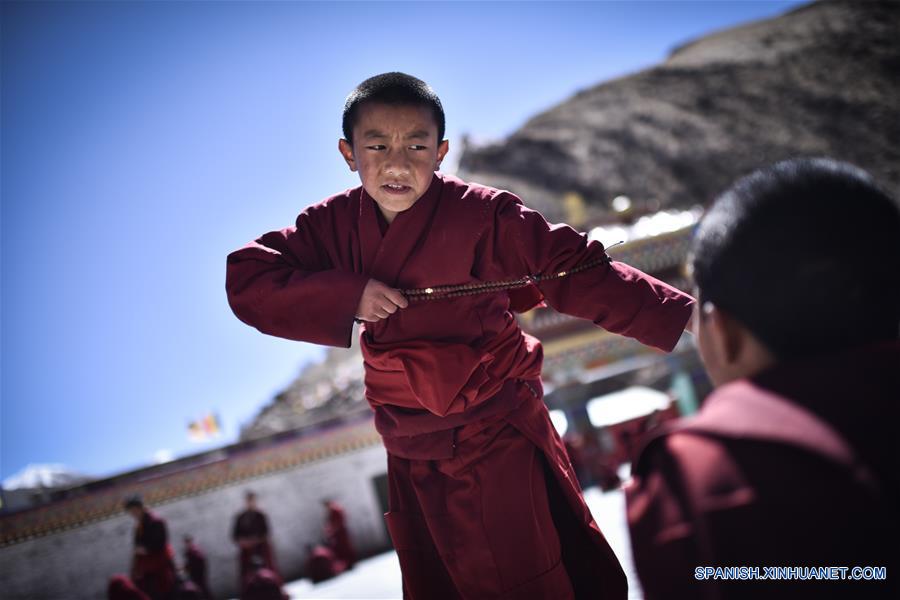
396 152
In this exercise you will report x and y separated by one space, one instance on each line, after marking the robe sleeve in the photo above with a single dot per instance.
284 284
615 296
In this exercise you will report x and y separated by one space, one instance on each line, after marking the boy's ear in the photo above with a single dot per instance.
725 334
346 150
442 150
739 352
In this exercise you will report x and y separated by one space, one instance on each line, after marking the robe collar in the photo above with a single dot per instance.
779 406
383 257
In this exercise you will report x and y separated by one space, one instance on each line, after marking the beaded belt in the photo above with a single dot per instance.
484 287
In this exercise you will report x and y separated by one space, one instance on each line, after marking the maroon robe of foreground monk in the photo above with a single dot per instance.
153 565
483 500
798 466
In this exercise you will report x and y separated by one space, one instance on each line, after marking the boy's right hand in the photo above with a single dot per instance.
379 302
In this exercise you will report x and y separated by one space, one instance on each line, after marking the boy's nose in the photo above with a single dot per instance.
397 164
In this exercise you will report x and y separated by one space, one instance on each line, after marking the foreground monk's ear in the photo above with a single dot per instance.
346 150
734 336
739 352
724 334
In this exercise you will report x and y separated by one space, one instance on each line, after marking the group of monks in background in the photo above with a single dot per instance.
597 453
156 576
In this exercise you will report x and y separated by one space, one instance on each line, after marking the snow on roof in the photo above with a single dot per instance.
664 221
43 476
625 405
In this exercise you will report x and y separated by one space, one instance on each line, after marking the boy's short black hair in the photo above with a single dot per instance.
392 88
806 254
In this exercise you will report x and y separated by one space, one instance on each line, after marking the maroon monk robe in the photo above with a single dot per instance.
196 567
153 570
483 501
263 584
251 533
322 564
798 466
338 536
122 588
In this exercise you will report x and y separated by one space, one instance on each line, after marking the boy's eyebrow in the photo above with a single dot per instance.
419 134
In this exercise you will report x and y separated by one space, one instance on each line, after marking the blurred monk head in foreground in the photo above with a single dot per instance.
793 261
792 458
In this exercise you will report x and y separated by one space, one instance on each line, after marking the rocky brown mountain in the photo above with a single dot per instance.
822 79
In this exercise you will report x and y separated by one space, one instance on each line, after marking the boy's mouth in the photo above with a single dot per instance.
396 188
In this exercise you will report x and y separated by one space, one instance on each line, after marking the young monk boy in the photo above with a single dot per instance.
483 500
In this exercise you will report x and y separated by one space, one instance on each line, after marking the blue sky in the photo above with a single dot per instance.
143 141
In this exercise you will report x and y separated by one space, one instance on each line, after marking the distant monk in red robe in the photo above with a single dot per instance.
153 565
483 501
195 565
251 534
322 564
262 583
337 535
792 463
122 588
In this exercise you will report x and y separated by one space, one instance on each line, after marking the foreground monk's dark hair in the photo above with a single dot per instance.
392 88
806 254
